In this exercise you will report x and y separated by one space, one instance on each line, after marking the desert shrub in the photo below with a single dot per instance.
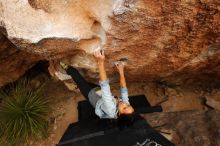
23 113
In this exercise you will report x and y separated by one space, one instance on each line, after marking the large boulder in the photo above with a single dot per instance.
166 41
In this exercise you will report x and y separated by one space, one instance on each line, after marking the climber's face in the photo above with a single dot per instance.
124 108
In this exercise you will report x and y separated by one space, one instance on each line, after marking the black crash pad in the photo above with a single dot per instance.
92 131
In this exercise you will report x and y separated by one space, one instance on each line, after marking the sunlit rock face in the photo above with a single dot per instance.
166 41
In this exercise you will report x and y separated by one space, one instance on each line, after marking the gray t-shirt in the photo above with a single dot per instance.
105 105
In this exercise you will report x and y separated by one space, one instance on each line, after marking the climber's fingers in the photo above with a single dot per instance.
96 54
117 66
99 55
102 52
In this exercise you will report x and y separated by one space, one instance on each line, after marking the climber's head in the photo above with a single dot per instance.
125 108
126 114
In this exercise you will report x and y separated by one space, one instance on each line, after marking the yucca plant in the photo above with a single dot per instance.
23 113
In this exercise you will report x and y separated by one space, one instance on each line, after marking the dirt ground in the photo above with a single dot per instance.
179 104
63 111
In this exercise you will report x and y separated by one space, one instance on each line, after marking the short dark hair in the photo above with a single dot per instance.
126 120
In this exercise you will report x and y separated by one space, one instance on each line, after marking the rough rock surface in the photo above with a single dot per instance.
175 98
176 42
213 100
193 128
13 62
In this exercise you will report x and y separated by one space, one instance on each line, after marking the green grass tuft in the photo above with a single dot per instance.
23 113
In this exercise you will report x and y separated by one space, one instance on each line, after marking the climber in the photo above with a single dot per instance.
101 98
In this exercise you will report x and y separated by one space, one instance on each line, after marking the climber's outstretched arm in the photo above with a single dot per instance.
109 105
123 89
100 59
120 67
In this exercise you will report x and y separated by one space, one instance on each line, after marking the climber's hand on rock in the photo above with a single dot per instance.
99 56
120 67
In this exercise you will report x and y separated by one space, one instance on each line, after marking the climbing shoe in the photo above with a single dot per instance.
63 65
